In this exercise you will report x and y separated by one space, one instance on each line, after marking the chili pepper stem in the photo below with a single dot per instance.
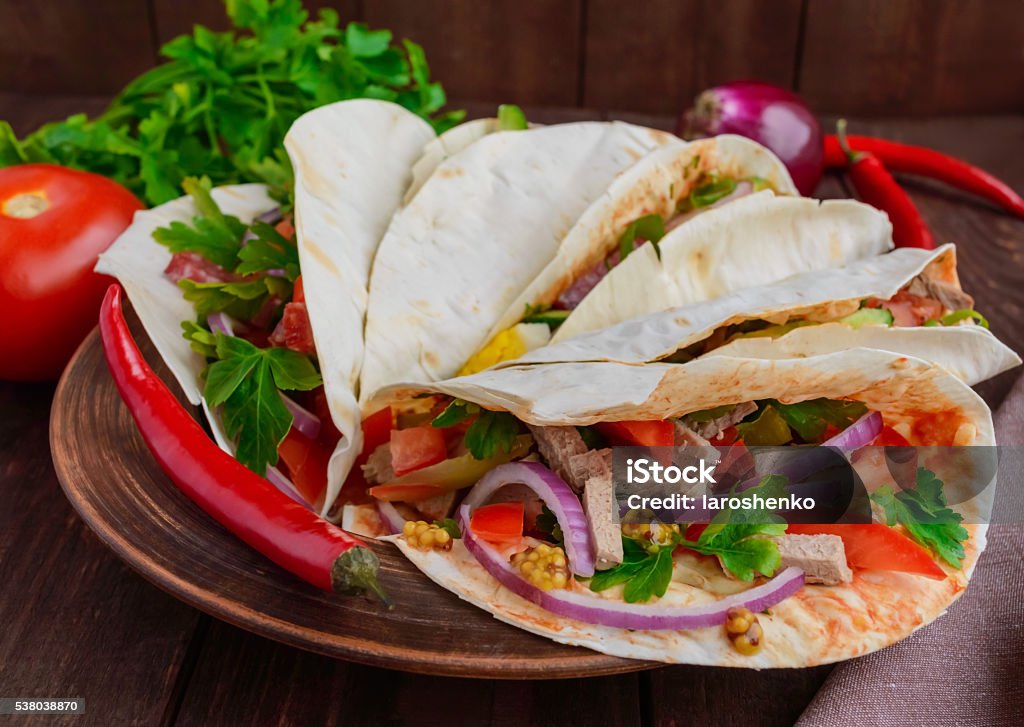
355 571
851 156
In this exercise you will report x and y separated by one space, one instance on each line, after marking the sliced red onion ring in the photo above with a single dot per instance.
278 480
618 614
305 421
277 272
859 434
390 516
221 323
558 496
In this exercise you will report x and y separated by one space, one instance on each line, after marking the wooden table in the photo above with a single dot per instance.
78 623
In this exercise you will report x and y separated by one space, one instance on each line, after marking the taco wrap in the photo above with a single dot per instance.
907 301
271 305
483 226
820 594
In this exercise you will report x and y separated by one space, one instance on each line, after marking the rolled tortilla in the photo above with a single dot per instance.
484 225
753 241
818 625
970 352
352 164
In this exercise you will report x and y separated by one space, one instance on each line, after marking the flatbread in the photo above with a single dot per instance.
818 625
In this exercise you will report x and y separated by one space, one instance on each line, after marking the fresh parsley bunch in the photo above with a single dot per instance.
222 103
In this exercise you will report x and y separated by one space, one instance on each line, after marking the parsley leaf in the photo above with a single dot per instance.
212 234
455 413
223 101
246 381
269 250
491 431
925 515
241 299
451 526
809 419
738 550
645 574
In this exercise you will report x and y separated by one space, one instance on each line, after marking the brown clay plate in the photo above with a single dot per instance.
120 492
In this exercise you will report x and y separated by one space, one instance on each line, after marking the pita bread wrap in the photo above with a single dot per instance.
352 164
480 229
819 623
756 240
825 298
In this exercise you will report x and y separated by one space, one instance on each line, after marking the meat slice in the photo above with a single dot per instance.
822 558
686 437
558 445
599 504
193 266
594 463
951 297
377 469
712 428
294 330
438 507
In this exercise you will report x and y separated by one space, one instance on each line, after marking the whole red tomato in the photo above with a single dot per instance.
54 222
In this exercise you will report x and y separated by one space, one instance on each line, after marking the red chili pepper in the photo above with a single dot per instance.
910 159
876 187
233 495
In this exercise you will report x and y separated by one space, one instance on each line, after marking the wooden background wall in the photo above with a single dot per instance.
860 57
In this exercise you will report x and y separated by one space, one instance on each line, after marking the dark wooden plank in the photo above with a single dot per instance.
66 46
241 679
26 112
499 51
175 17
76 621
656 56
913 57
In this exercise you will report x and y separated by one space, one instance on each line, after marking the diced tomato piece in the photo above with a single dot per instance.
293 331
889 437
726 437
305 462
376 431
416 448
499 522
694 531
298 292
652 433
405 493
285 228
876 546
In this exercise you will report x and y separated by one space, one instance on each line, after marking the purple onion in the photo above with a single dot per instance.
559 498
304 420
390 516
221 323
271 217
770 115
618 614
278 480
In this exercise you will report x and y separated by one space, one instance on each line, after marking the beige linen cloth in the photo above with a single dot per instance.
966 668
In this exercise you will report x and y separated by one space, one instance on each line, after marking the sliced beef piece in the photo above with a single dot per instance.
599 504
193 266
951 297
821 557
686 437
378 469
438 507
714 427
590 464
294 330
558 445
